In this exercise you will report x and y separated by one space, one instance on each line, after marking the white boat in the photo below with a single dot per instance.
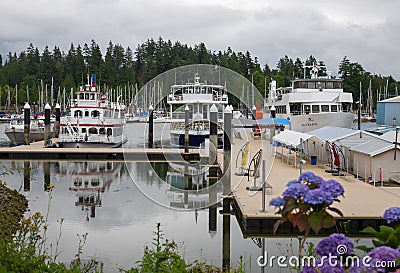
199 97
94 121
312 103
15 130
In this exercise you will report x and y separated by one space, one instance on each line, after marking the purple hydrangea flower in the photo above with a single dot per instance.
296 190
336 244
318 197
295 181
308 269
310 178
333 187
277 202
380 254
392 214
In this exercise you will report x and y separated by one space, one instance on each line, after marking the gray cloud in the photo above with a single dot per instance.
365 31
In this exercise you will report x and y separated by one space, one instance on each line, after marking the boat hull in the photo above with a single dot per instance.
307 123
85 144
195 140
17 136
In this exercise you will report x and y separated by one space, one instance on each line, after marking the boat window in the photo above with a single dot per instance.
86 113
83 130
78 113
81 96
102 131
307 109
311 85
315 108
295 108
95 113
333 108
93 130
109 132
329 85
324 108
320 85
86 96
92 96
337 85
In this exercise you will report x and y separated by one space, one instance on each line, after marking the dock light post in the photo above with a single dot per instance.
58 116
395 142
186 129
151 126
47 109
272 129
300 156
27 124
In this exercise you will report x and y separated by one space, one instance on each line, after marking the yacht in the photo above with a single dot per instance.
312 103
199 97
94 121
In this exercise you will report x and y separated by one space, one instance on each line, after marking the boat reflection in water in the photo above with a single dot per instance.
89 180
190 188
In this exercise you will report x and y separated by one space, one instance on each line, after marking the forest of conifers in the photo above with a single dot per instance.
32 68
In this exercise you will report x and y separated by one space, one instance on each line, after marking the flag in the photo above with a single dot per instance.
336 161
335 99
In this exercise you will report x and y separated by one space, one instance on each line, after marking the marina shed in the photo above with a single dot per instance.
375 158
388 112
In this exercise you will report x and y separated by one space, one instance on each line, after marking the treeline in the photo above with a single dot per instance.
31 70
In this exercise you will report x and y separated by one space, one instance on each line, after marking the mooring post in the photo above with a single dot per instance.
151 126
47 109
186 129
58 116
27 124
27 176
46 172
226 189
272 129
213 171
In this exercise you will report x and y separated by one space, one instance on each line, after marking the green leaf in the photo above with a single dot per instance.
384 232
328 221
336 210
370 230
315 221
364 248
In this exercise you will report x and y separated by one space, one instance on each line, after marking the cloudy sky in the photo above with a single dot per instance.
367 32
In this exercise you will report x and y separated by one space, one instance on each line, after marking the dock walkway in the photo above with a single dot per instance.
362 205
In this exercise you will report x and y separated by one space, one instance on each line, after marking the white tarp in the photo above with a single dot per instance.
291 138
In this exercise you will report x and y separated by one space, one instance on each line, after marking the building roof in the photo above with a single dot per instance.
330 133
395 99
373 147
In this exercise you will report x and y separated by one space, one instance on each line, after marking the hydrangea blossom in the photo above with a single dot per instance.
380 254
277 202
296 190
318 197
333 187
330 245
392 214
292 182
310 177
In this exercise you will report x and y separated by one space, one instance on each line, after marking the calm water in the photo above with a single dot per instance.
123 202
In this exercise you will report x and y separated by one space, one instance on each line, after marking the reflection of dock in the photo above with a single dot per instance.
37 151
362 206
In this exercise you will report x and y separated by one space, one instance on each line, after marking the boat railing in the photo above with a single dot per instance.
194 126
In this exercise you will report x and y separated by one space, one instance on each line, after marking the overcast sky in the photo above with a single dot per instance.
367 32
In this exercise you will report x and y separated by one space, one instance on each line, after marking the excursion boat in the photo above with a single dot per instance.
15 130
199 97
94 121
312 103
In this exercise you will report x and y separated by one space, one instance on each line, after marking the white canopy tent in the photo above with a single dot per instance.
293 138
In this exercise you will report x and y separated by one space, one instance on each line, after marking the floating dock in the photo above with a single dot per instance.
363 204
37 151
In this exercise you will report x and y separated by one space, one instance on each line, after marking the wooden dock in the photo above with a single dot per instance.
37 151
363 204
